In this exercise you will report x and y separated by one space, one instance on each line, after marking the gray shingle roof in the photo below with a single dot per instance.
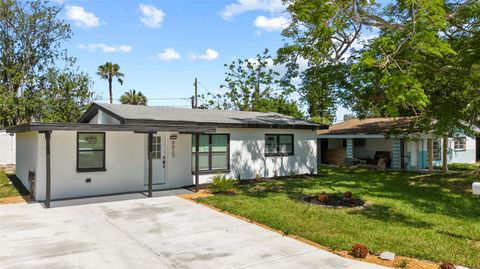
135 114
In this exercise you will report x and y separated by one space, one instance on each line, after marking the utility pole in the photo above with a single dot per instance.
195 100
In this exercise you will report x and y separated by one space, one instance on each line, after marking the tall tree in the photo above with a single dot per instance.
109 71
31 37
133 97
419 58
253 85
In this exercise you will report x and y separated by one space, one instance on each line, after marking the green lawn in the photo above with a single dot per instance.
433 217
6 188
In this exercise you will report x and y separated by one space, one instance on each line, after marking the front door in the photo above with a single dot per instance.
158 160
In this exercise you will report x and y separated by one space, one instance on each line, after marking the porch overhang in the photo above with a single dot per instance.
138 128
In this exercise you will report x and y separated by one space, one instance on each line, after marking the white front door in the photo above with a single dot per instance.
159 160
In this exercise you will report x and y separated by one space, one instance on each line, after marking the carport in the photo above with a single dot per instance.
46 129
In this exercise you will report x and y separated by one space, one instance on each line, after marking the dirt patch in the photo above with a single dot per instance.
334 201
8 168
15 199
192 196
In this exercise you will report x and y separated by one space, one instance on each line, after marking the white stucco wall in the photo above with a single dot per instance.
26 155
103 118
124 159
247 154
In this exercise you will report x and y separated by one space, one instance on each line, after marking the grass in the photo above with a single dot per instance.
433 217
464 166
7 189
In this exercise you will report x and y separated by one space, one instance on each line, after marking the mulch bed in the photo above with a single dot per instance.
335 201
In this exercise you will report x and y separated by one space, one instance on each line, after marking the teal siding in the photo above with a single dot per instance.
349 148
396 154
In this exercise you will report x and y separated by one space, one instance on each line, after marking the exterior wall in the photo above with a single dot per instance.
124 162
7 148
247 154
372 145
103 118
26 155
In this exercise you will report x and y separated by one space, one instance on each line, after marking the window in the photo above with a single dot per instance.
278 144
460 143
90 152
213 152
437 150
156 147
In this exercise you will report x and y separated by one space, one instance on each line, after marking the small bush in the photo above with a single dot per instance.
348 195
323 197
359 251
447 265
222 184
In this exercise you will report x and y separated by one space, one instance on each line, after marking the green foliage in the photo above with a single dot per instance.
109 71
133 98
7 189
223 185
252 85
33 85
402 58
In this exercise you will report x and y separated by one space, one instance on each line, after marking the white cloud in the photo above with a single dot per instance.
106 48
272 23
168 54
242 6
81 17
151 16
210 55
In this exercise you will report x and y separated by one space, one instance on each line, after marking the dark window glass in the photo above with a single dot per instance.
278 144
213 152
91 151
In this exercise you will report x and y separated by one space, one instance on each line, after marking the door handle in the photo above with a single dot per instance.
163 163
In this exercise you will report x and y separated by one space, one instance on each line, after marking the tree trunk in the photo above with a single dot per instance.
110 89
445 154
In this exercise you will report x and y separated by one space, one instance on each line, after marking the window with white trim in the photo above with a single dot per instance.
460 143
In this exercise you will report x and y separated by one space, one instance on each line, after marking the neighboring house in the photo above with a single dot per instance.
7 148
107 151
366 141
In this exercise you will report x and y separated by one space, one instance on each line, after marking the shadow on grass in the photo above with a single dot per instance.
386 214
18 184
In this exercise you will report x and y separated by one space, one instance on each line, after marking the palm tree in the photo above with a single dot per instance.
133 98
108 71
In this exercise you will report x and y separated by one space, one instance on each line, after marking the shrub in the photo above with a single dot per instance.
323 197
348 195
447 265
359 251
222 184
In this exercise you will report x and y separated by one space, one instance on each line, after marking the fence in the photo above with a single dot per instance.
7 148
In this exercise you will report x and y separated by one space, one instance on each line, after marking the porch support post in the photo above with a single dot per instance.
396 154
349 151
150 181
197 148
445 154
430 154
48 171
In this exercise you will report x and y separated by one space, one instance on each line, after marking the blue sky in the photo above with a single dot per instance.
161 46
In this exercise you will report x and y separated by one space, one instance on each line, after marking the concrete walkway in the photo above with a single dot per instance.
159 232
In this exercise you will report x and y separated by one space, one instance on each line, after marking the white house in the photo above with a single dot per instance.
366 141
108 150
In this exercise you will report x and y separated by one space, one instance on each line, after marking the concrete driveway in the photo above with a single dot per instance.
159 232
